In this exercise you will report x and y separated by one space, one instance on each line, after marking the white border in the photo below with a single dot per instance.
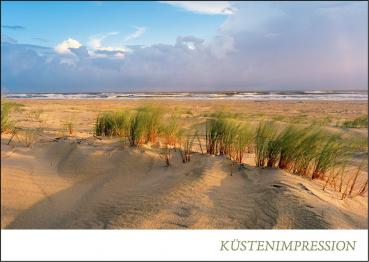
169 244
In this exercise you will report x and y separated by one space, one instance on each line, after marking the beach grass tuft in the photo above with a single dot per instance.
311 151
112 124
307 151
227 136
7 125
266 144
145 125
359 122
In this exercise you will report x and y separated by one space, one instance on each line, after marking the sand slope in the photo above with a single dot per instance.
87 183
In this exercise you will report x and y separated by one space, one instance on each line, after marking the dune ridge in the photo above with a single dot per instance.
88 183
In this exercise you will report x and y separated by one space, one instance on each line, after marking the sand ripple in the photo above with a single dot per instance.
79 184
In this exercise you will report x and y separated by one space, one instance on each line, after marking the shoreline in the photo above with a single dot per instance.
187 99
344 95
191 99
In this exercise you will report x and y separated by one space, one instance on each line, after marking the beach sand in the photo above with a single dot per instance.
81 182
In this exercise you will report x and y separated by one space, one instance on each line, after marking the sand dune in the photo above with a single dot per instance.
88 183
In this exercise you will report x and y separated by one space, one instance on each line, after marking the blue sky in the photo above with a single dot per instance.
175 46
57 21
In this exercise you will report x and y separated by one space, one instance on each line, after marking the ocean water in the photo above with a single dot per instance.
272 95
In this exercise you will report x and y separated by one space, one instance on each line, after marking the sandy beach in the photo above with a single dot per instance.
80 181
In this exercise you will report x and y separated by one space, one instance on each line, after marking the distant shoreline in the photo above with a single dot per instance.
251 95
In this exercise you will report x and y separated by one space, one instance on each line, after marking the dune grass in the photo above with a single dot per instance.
7 125
331 179
186 148
151 121
364 189
332 152
140 126
170 130
29 136
359 122
289 139
220 133
310 151
306 151
5 117
352 182
266 145
112 123
70 125
145 125
243 142
186 141
227 136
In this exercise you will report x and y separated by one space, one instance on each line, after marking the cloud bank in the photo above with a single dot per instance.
260 46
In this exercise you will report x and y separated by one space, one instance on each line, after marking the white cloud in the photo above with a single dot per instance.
63 47
204 7
112 49
96 40
96 44
139 31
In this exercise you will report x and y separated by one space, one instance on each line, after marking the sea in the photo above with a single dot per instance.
249 95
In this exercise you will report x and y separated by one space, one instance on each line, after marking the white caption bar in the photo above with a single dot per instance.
184 245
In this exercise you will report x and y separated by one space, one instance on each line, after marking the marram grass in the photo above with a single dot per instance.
7 125
265 143
144 125
225 136
307 151
112 123
139 127
359 122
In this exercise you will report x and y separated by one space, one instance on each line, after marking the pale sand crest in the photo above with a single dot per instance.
88 183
